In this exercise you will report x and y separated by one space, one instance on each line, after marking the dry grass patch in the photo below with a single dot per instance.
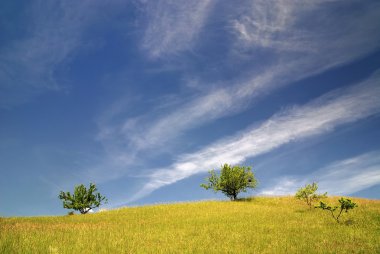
256 225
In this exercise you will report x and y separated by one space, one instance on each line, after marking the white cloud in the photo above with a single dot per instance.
285 186
340 40
173 26
320 116
286 25
27 65
264 20
307 37
339 178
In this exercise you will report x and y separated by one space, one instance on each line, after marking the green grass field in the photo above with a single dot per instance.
259 225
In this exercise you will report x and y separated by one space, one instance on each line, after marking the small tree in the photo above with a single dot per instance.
345 205
83 199
309 195
231 181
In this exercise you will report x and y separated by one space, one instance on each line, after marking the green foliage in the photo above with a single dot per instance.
231 181
83 199
309 195
345 205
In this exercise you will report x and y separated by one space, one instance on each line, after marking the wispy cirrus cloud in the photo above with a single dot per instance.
28 65
323 43
276 24
173 26
320 52
263 20
343 177
285 25
317 117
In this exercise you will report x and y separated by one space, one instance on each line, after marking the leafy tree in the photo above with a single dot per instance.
83 199
345 205
309 195
231 181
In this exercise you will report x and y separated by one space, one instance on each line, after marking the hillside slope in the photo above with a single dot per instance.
260 225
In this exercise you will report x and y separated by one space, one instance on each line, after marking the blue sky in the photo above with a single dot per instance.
143 98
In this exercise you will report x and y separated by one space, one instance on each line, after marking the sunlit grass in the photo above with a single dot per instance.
259 225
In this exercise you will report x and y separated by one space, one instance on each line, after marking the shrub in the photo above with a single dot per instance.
309 195
231 181
345 205
83 199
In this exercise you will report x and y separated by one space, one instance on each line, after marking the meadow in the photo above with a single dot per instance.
255 225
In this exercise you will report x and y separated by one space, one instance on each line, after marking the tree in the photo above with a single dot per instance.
309 195
83 199
345 205
232 180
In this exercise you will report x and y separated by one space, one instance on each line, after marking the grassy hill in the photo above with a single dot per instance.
259 225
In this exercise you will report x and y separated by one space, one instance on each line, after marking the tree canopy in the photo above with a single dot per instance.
309 195
346 204
83 199
231 181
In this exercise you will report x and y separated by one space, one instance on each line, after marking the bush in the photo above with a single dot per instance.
345 205
232 180
83 199
309 195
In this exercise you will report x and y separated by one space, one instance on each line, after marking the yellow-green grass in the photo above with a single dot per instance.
258 225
